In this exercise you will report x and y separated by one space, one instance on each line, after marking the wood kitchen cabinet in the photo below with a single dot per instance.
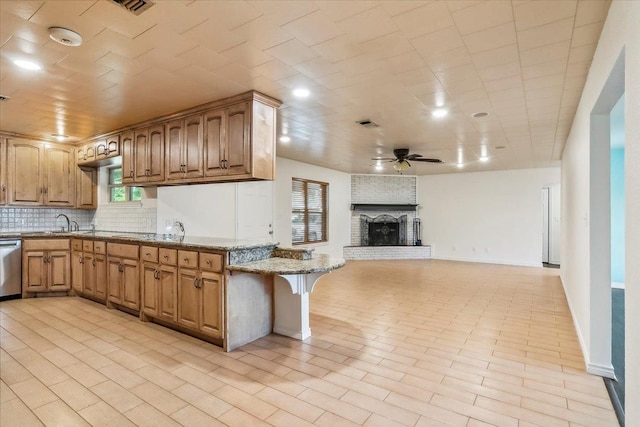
200 292
89 269
227 140
123 275
86 153
148 144
183 150
108 147
46 266
86 188
3 171
40 174
159 283
128 157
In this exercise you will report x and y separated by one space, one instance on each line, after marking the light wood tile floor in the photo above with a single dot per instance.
413 343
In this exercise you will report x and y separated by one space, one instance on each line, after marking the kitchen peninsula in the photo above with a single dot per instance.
226 291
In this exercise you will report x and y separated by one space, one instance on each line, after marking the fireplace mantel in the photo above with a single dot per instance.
383 207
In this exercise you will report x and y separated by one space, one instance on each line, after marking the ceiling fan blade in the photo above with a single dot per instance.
413 156
384 158
429 160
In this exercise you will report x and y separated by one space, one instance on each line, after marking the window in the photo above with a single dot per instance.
308 211
118 192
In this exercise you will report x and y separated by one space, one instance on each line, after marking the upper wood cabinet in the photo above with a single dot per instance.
128 157
97 151
148 144
108 147
227 142
3 172
86 153
183 149
40 174
86 188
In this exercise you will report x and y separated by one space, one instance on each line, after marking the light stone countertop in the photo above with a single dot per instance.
318 264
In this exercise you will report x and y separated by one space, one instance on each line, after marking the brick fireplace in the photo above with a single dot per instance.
382 213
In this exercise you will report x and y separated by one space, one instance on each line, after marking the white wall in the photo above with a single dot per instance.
493 217
621 32
555 224
339 204
240 210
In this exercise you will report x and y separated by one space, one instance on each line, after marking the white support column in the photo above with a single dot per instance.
291 304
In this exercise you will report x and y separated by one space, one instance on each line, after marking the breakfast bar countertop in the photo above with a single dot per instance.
276 265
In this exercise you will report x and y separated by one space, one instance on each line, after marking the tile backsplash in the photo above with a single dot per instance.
131 217
42 219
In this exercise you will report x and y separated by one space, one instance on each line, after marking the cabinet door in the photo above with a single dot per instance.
211 304
238 150
193 146
140 143
150 288
100 270
128 158
24 173
174 166
131 284
114 280
113 146
89 275
214 125
188 298
59 176
86 188
59 269
3 172
77 271
168 293
155 154
34 271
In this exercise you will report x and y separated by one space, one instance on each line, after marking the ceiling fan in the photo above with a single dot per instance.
402 157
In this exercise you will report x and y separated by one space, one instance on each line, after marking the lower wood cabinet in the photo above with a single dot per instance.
159 279
123 275
89 269
46 265
200 294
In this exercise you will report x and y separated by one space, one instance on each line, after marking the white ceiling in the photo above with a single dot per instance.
394 62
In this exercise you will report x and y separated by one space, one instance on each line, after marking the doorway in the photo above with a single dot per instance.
551 226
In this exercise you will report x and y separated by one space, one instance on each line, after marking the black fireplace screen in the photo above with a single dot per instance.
383 230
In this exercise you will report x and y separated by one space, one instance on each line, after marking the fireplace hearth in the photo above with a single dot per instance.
383 230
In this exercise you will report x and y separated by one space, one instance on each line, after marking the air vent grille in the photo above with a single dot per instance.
368 123
135 6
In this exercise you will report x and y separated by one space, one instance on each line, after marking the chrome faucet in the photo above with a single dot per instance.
180 227
76 226
67 218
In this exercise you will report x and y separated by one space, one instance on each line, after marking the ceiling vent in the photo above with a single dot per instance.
135 6
368 123
4 98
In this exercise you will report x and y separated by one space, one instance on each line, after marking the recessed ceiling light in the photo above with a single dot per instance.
483 158
285 138
65 36
27 65
59 136
480 114
301 92
440 112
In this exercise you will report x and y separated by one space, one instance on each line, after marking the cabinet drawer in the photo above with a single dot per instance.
168 256
122 250
87 245
76 245
149 253
188 259
210 262
46 244
100 247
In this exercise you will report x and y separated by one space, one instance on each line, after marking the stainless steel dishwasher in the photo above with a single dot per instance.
10 268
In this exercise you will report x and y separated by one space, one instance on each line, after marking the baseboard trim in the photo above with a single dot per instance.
601 370
491 261
617 285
